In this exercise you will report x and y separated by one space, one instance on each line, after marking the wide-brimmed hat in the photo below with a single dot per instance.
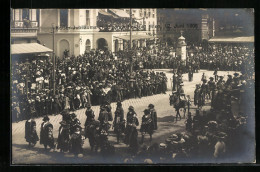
63 123
131 108
46 118
236 74
211 78
151 106
119 104
146 111
73 115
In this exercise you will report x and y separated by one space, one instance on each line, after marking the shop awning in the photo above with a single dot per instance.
135 37
246 39
103 12
120 13
29 48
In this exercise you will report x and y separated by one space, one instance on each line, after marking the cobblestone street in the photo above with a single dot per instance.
21 154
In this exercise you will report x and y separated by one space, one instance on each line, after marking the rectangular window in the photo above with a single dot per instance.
149 14
25 14
153 15
64 17
87 18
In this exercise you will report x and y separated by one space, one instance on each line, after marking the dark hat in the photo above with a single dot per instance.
236 74
151 106
119 104
204 80
78 126
64 112
211 78
73 115
63 123
46 118
146 111
131 108
221 77
229 75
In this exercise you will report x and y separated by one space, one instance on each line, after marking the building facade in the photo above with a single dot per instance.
78 30
24 25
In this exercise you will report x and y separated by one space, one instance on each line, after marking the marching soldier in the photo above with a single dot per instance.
74 123
131 131
147 125
77 141
211 86
105 117
64 137
190 73
46 134
119 122
30 132
197 96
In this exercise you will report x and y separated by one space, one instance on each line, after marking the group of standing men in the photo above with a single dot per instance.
71 135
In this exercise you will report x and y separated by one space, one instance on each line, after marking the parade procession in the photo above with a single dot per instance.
120 88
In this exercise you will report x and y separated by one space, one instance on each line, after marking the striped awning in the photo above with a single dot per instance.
120 13
29 48
134 37
246 39
103 12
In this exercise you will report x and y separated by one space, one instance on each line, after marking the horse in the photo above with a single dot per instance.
177 102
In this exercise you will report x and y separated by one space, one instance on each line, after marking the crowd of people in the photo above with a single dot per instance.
209 136
91 78
118 26
98 78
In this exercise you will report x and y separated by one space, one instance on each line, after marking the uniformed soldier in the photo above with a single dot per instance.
190 73
131 131
119 121
105 117
211 86
77 141
46 134
74 122
147 125
64 136
197 95
30 132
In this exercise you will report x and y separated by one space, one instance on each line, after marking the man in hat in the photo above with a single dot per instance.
119 121
74 122
90 115
104 117
211 86
153 116
131 131
197 96
174 81
77 141
190 74
216 74
147 125
220 146
46 134
189 123
30 132
64 136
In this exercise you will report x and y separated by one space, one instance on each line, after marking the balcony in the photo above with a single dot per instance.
20 29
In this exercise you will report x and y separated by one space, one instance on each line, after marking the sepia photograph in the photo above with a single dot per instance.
132 86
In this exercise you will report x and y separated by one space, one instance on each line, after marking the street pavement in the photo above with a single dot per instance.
22 154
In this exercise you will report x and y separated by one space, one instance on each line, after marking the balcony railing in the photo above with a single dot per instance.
24 24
